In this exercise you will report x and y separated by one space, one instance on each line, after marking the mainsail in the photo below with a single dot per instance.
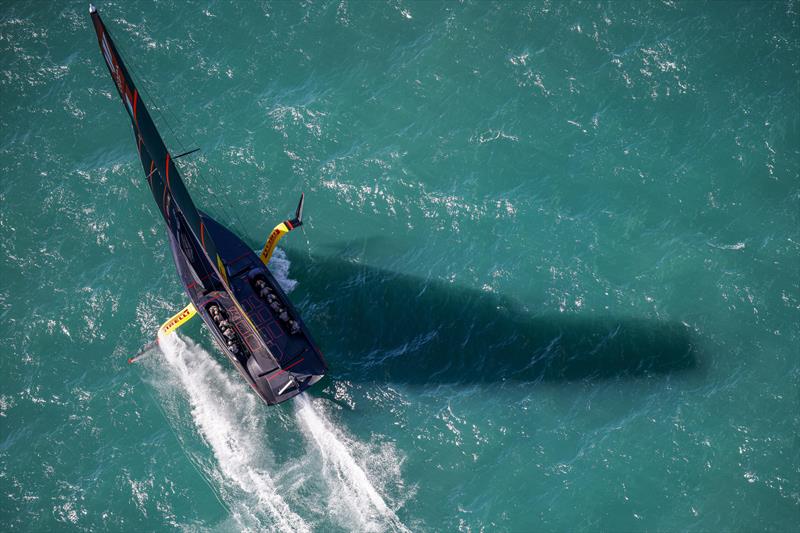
183 219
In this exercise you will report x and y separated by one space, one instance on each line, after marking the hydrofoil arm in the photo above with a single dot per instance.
282 229
179 319
168 327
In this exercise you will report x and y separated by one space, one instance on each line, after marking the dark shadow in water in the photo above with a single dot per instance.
377 325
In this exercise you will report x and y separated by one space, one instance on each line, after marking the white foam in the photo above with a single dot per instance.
279 266
225 413
231 420
353 498
735 246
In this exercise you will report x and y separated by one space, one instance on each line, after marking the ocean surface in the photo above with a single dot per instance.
551 253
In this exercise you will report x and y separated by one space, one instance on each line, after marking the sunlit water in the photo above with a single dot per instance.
551 254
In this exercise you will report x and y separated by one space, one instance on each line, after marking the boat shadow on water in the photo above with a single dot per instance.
378 325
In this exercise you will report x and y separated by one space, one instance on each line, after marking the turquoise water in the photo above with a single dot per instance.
552 255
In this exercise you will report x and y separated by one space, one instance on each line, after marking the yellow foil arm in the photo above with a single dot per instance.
272 241
178 320
282 229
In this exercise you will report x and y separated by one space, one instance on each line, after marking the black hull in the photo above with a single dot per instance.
277 363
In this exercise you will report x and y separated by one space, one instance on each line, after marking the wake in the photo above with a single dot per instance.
232 421
223 410
348 482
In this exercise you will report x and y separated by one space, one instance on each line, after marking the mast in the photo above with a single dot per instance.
169 191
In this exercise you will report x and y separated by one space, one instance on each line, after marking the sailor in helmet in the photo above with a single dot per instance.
264 290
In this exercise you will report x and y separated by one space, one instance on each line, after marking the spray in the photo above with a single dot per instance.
349 483
223 412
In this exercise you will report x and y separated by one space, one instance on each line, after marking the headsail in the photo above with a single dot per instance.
169 191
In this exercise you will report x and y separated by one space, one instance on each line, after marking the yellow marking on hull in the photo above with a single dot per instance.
179 319
222 271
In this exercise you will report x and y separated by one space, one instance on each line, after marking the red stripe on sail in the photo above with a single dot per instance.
135 100
166 186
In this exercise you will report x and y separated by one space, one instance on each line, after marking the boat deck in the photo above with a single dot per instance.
277 363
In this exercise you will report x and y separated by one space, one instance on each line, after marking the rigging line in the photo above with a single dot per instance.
232 209
225 208
156 104
211 191
161 110
229 212
215 197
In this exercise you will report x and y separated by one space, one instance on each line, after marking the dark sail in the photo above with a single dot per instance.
169 191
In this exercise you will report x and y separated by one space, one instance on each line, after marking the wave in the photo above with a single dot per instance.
260 493
225 414
352 495
279 266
